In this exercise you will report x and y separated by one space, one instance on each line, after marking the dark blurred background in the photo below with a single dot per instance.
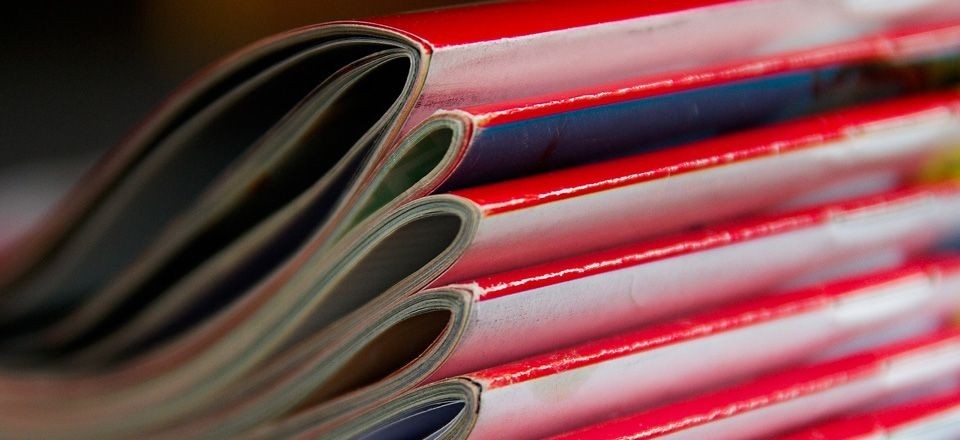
75 77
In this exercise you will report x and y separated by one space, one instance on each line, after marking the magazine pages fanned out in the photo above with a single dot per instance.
296 139
871 148
553 126
576 299
318 357
861 149
258 245
588 383
332 375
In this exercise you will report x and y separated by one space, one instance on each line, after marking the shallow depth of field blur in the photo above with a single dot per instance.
76 76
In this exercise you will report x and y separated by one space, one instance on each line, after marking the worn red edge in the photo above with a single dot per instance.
772 140
885 420
519 280
766 391
751 312
889 45
493 21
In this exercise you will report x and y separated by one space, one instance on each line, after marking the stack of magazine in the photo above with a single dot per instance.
681 218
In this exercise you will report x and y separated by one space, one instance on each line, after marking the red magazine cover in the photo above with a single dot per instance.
335 221
777 247
469 326
927 417
855 150
593 294
527 221
789 399
579 298
615 375
309 118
